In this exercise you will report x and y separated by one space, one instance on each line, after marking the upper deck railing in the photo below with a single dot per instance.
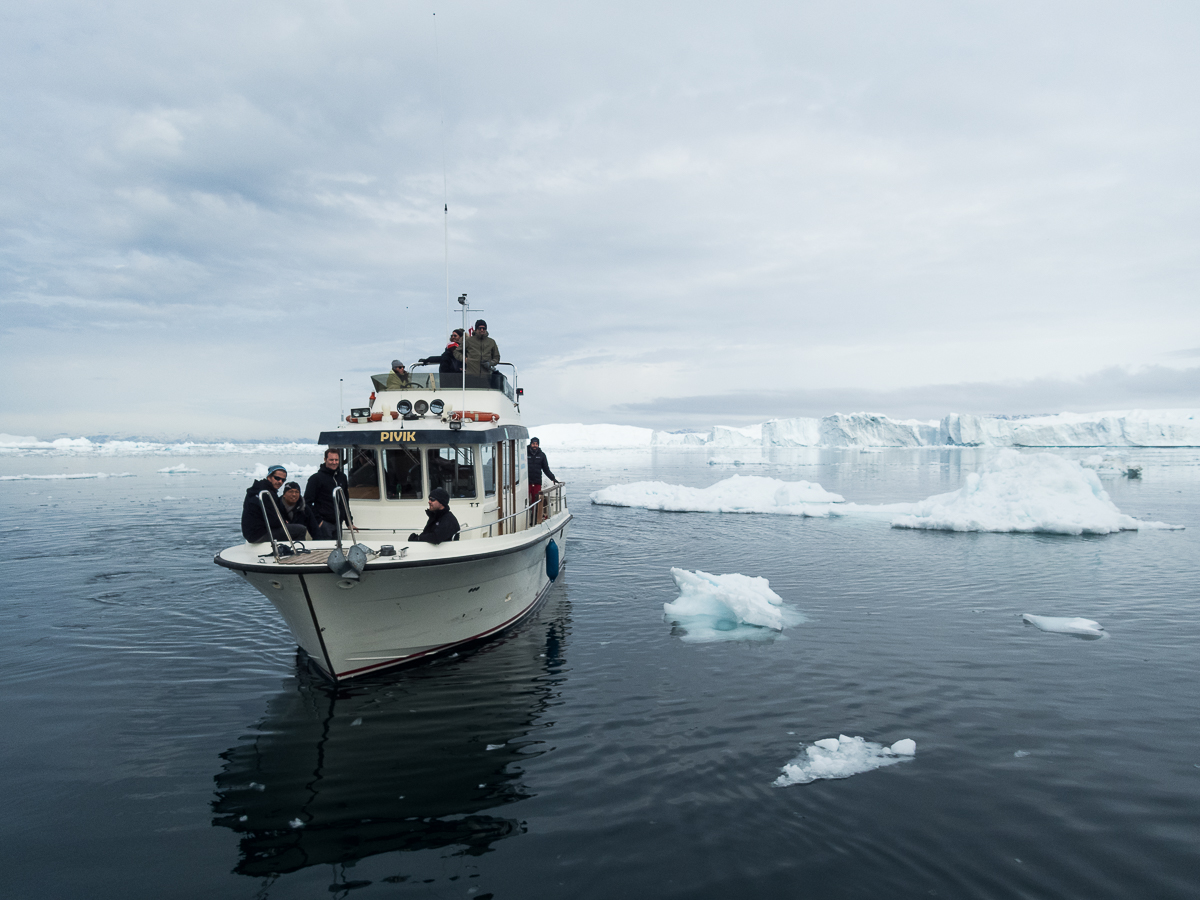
440 381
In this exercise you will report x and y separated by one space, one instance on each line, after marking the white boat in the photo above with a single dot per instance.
394 601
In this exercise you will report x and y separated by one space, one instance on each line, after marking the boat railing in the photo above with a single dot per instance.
548 504
282 522
341 502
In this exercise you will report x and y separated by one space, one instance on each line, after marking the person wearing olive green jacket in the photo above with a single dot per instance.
482 352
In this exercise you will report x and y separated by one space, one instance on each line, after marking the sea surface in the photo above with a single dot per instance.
163 737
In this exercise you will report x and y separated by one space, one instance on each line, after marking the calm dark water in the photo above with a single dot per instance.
160 733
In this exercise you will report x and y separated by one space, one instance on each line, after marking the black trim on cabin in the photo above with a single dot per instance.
402 434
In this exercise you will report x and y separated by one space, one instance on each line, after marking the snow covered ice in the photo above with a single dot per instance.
841 757
1075 625
736 494
1036 492
731 607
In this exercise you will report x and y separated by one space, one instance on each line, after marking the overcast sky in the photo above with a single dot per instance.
672 214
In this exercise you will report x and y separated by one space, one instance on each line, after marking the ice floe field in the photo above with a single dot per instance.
921 670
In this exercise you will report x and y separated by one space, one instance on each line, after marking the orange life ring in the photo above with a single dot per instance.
475 416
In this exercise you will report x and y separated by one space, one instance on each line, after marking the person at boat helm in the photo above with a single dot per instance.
446 361
295 510
398 379
537 465
442 524
318 494
255 529
482 352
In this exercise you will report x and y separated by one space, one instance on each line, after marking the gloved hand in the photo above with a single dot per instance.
414 537
486 365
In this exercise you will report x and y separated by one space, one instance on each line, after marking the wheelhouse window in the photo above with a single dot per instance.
487 457
402 474
452 468
364 474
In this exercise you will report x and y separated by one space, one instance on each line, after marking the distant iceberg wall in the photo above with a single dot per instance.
1132 428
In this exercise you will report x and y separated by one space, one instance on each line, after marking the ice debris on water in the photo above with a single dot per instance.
731 607
1085 628
841 757
296 823
1021 754
493 746
255 786
357 721
1033 492
736 494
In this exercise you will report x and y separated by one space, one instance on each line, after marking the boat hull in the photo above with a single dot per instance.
404 611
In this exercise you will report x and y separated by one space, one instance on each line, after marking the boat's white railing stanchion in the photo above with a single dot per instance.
282 523
340 502
556 489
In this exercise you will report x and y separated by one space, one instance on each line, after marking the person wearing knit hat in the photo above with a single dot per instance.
537 465
398 379
256 529
442 524
481 351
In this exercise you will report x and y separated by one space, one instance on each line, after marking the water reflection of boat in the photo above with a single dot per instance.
421 760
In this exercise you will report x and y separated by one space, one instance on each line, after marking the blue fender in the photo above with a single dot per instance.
552 560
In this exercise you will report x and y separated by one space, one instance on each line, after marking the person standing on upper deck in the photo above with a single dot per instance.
482 354
447 364
537 465
318 494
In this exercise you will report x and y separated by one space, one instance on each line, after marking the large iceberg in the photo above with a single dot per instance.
841 757
736 494
1035 492
732 607
1128 428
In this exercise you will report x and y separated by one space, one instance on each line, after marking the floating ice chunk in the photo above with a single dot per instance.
1036 492
1067 625
493 746
296 823
730 607
842 757
357 721
66 476
178 470
736 494
1020 754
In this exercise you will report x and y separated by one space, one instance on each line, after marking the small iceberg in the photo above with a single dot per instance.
178 470
736 494
841 757
1031 492
1084 628
731 607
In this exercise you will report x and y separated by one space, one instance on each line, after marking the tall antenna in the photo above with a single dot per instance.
445 191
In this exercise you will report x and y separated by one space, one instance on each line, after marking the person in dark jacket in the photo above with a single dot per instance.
295 510
537 465
318 494
442 524
255 528
447 364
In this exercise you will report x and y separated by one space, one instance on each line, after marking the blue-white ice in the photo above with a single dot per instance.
736 494
731 607
178 470
1033 492
64 476
1015 492
1085 628
841 757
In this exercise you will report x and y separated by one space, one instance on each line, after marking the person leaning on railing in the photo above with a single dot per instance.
256 529
447 364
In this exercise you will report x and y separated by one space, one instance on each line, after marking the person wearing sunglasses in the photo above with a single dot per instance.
447 364
255 529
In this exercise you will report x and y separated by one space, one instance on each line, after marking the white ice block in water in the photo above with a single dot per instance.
1067 625
736 494
842 757
1035 492
731 607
